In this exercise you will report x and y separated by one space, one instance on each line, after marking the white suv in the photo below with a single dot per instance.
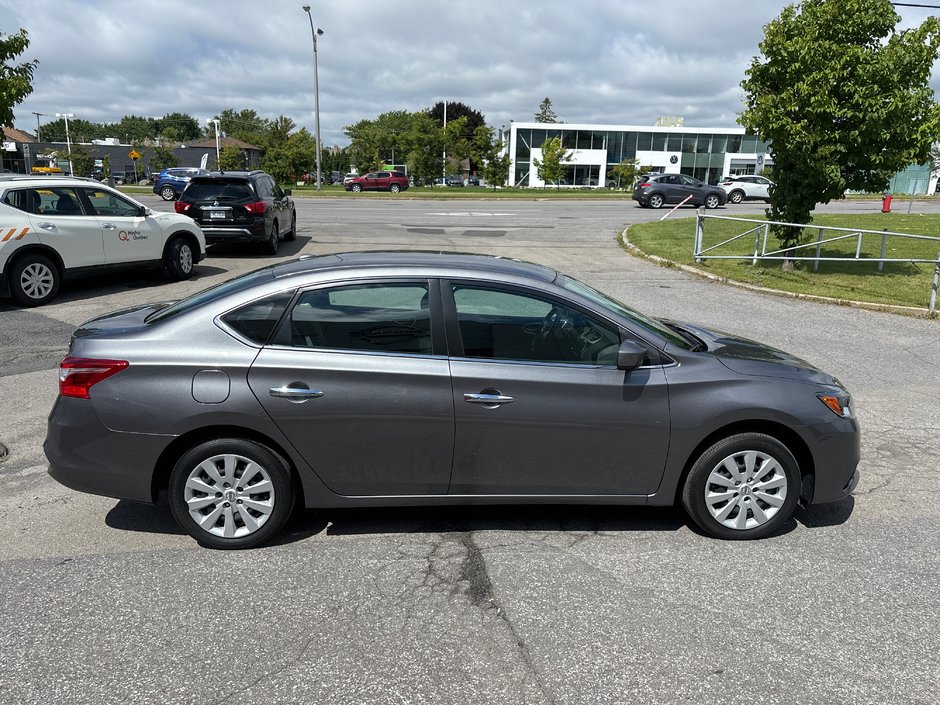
746 188
53 227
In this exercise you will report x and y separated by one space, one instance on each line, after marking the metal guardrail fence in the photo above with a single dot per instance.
761 233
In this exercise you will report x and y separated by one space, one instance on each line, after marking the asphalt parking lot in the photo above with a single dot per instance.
107 602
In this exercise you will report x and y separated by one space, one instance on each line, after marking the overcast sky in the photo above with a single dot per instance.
609 62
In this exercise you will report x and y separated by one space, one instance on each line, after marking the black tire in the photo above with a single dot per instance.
356 188
236 507
179 259
34 280
736 196
394 188
292 233
274 239
736 497
656 201
167 193
712 201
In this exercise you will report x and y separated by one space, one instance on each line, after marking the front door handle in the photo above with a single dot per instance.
109 226
295 395
49 226
488 399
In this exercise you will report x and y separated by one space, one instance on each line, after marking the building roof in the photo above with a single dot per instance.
11 133
224 142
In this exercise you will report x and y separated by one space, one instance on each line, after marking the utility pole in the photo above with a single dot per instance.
38 115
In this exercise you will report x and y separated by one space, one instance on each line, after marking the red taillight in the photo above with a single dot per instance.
182 206
644 184
79 374
258 207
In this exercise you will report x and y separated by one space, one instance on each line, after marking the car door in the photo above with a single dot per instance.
540 406
353 382
281 205
760 189
692 187
128 236
63 221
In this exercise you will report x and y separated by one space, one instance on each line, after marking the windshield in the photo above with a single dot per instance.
213 293
625 311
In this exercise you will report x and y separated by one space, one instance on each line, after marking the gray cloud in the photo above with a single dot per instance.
599 62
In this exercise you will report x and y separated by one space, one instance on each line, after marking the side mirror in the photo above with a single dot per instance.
143 211
630 355
287 192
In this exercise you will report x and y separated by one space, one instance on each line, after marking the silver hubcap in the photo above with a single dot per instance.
37 281
186 258
229 496
746 490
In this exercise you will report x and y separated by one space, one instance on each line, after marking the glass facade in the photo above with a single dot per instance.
701 153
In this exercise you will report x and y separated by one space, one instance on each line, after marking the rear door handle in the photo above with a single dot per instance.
296 395
483 398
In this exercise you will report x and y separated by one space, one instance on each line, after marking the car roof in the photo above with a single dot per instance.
45 180
430 263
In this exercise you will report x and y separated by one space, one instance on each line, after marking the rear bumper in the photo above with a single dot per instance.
87 456
256 232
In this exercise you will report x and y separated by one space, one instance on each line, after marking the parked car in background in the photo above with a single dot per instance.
349 177
451 180
240 206
393 181
338 388
55 227
657 190
336 178
746 188
170 183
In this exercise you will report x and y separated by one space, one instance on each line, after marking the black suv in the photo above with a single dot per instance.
240 206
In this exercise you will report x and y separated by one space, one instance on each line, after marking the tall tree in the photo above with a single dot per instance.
551 167
366 139
627 172
180 127
245 125
425 147
458 139
16 81
287 160
844 99
486 151
545 113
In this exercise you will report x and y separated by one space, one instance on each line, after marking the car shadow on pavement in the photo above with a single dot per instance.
146 518
821 515
252 251
533 518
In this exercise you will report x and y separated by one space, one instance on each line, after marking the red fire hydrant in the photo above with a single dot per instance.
886 202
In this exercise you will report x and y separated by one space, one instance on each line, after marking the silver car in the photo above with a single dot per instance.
368 379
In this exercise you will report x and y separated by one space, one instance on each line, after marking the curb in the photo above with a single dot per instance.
913 311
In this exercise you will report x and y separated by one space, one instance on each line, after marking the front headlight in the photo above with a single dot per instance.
838 401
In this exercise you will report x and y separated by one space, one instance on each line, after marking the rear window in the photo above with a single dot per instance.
219 191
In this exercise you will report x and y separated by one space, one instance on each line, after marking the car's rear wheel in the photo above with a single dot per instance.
231 493
292 233
736 196
656 201
167 193
274 239
712 201
356 187
34 280
394 188
744 486
178 259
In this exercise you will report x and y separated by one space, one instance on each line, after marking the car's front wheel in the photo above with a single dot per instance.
356 188
34 280
274 239
712 201
656 201
292 233
744 486
167 193
178 259
231 493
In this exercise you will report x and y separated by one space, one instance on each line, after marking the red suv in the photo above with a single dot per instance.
393 181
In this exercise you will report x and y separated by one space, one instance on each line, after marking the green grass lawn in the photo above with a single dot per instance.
904 284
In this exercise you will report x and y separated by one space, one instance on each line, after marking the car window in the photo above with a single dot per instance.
59 200
219 190
108 203
256 321
689 181
275 189
384 318
670 179
500 324
18 198
263 187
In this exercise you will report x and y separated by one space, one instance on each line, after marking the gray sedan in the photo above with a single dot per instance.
377 379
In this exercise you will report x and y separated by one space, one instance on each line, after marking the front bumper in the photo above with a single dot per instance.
836 449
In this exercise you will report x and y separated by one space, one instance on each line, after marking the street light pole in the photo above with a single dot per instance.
68 141
211 121
316 90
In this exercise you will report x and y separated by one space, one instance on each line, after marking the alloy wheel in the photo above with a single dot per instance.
746 490
229 495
